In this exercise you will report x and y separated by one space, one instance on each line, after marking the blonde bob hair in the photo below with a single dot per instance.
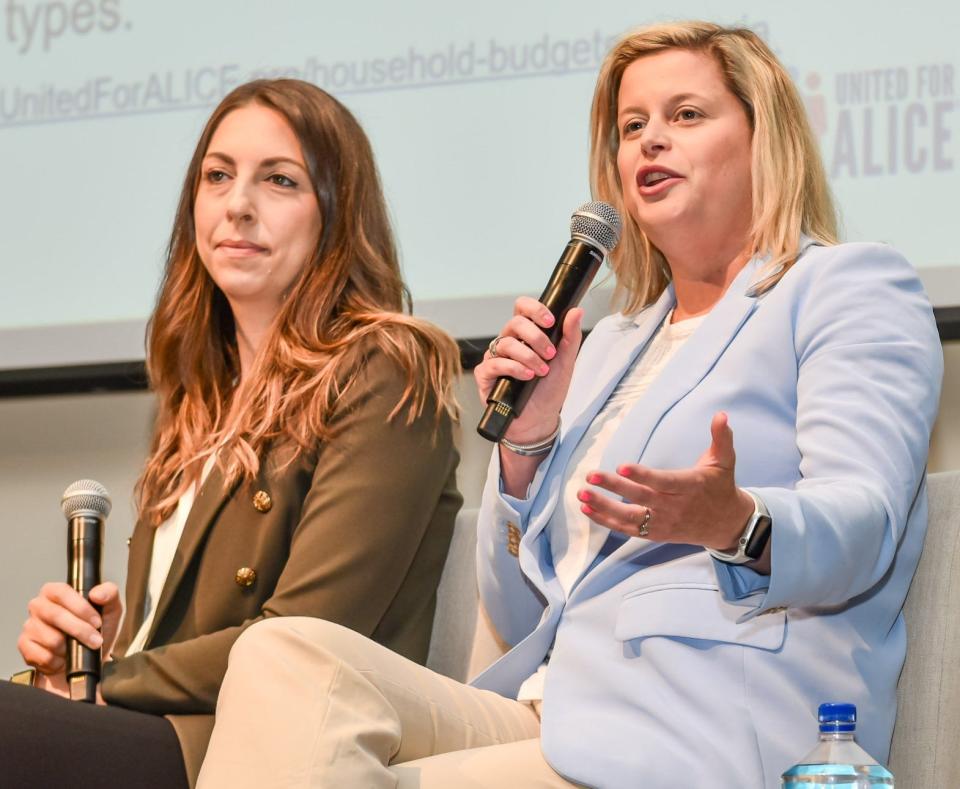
790 192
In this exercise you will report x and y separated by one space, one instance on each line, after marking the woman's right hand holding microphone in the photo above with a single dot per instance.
59 611
524 352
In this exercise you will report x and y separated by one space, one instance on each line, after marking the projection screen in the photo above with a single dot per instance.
478 117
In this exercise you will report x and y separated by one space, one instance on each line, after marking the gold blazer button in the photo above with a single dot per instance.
246 577
262 501
513 539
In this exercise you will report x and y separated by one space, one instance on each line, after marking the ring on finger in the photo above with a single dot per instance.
644 528
492 347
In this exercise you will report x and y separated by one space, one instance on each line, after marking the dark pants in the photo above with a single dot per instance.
47 741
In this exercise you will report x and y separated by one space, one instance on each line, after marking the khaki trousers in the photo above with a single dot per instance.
307 703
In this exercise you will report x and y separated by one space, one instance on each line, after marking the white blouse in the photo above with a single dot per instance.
165 542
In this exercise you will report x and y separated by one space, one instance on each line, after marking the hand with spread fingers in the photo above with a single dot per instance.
701 505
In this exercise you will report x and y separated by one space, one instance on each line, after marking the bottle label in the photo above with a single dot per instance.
836 776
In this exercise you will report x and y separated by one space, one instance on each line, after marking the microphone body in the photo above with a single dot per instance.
571 277
84 548
595 228
86 505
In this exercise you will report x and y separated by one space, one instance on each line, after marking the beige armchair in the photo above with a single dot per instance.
926 740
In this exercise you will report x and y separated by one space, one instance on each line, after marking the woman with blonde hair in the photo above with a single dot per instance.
676 609
302 460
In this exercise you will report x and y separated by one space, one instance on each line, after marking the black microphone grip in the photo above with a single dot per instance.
83 563
571 278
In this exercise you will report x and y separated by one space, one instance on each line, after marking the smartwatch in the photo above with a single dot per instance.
752 540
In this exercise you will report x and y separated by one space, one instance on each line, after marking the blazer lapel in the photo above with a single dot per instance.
138 570
682 373
589 390
208 503
592 386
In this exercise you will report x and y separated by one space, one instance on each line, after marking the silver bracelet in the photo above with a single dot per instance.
539 448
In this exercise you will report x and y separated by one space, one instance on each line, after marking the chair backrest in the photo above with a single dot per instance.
463 642
926 741
455 621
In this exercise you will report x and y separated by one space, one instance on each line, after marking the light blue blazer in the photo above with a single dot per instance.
669 668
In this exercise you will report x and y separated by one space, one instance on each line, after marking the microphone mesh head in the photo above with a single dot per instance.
85 495
598 224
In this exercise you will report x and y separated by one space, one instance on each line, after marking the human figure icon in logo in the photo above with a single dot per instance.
815 102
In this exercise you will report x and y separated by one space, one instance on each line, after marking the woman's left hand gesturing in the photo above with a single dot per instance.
701 505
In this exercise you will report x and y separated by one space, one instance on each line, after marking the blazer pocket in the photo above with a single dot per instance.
696 612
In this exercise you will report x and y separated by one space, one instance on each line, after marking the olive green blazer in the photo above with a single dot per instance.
357 533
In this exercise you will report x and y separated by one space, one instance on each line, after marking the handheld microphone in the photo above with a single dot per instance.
594 232
86 505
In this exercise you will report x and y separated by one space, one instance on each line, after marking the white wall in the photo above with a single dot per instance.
46 443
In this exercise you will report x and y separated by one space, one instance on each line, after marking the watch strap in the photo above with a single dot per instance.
754 538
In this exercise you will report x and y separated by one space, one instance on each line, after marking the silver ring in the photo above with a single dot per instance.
492 347
643 529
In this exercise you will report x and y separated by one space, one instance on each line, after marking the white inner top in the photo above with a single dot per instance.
575 540
165 543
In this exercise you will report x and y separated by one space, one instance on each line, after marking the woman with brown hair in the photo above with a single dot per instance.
302 460
676 609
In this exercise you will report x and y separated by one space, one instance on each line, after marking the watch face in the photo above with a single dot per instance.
759 537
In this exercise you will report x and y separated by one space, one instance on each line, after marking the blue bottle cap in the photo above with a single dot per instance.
837 717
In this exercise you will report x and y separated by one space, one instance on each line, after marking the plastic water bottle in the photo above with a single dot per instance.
837 761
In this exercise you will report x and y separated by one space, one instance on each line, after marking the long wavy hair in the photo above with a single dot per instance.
790 191
348 301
